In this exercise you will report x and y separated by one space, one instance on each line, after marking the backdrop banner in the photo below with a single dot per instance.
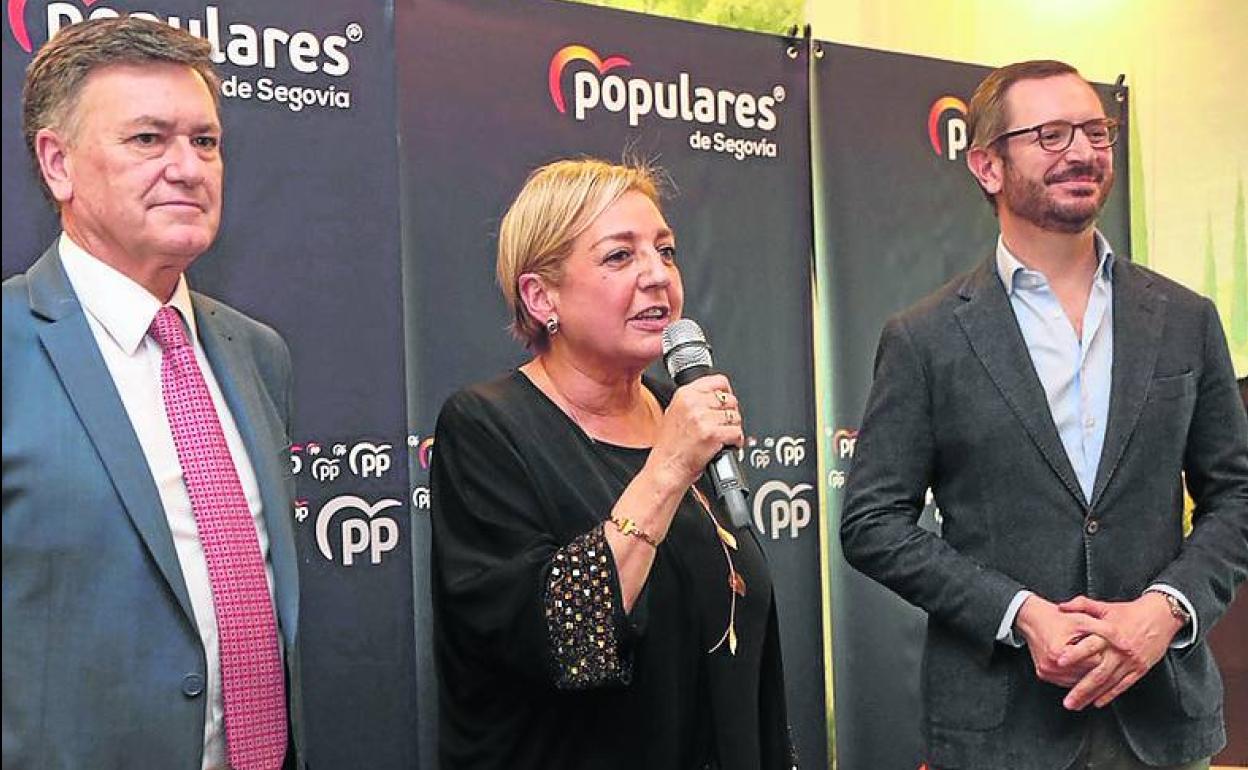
491 90
897 215
310 245
366 180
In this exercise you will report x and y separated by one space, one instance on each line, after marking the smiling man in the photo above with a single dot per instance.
150 588
1053 399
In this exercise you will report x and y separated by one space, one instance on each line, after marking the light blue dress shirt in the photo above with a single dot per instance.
1076 373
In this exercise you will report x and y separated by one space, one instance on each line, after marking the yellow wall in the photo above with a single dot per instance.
1186 63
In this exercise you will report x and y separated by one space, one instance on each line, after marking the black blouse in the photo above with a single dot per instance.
539 665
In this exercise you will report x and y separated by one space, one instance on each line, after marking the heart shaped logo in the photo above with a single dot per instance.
343 503
940 107
568 54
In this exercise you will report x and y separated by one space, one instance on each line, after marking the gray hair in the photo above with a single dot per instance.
55 78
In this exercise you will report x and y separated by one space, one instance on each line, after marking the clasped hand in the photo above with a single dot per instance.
1096 649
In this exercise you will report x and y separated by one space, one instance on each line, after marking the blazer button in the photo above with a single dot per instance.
1092 527
192 685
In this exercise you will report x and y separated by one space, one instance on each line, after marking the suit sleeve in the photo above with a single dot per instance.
893 468
288 388
1214 558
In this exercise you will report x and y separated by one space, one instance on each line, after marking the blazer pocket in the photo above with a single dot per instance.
1197 681
1173 386
959 691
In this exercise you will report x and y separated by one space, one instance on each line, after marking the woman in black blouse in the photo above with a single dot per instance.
592 609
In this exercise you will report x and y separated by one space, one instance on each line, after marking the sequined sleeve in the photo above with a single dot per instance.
581 616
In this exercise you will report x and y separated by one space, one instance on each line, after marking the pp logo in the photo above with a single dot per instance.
420 498
423 447
760 458
836 479
375 534
790 450
786 511
299 455
956 139
369 459
325 469
844 442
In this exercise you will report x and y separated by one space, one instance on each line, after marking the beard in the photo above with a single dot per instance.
1030 200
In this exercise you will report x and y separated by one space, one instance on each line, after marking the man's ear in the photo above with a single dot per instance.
988 168
540 299
55 165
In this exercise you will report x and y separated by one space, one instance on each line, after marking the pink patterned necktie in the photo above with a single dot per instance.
252 683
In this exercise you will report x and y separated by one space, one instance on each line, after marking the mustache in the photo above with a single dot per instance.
1084 171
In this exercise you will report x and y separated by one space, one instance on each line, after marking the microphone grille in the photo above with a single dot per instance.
685 346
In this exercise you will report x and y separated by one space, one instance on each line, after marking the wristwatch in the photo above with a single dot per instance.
1177 610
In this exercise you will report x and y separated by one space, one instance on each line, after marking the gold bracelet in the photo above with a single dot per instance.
629 527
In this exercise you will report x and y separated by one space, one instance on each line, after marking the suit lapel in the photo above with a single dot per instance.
71 346
992 330
264 437
1139 315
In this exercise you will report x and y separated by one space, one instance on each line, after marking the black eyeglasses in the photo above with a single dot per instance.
1057 135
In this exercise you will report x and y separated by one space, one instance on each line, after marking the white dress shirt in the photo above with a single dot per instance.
119 312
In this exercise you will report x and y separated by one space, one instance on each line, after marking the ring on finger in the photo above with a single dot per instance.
722 396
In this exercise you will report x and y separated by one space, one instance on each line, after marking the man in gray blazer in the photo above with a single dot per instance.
1054 400
149 575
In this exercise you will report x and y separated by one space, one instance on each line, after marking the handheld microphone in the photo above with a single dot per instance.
688 357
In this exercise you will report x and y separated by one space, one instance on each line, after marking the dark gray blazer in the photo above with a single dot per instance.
957 407
103 664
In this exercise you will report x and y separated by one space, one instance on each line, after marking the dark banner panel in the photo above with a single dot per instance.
309 244
491 90
898 215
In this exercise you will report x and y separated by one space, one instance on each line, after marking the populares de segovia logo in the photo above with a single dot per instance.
948 136
601 83
234 43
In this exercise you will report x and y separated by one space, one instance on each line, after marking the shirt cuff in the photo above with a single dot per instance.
1005 631
1188 639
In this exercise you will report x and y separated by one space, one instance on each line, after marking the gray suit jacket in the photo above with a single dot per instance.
103 665
956 406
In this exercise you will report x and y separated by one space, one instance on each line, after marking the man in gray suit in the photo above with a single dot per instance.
149 574
1053 399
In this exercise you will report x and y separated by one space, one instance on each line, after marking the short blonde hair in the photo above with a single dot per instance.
558 202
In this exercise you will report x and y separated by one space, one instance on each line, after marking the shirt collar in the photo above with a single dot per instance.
1009 267
121 306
